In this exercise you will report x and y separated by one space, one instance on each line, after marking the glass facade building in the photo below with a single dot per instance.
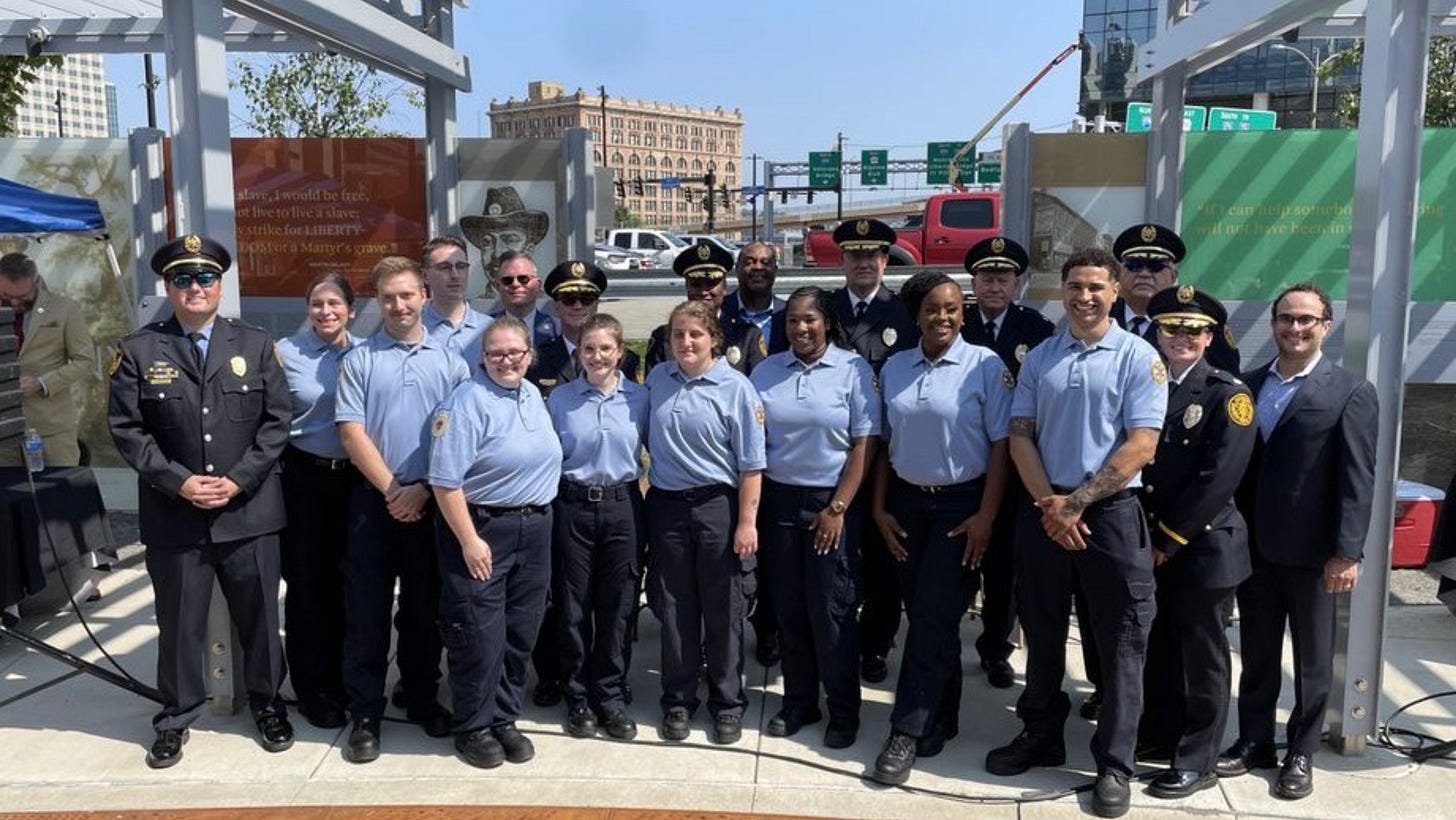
1263 77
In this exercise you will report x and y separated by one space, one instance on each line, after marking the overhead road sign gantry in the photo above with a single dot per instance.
824 170
937 162
874 167
1140 118
1241 119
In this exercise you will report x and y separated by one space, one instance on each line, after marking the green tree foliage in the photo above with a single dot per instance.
1440 83
316 94
16 75
624 217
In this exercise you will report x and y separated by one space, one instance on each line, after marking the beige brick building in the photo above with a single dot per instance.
643 140
82 85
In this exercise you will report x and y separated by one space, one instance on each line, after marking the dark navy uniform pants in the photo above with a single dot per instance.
382 549
490 626
597 534
815 597
1115 572
935 589
1272 596
879 617
996 579
699 593
316 495
182 582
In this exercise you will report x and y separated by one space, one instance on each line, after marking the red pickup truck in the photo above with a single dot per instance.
951 225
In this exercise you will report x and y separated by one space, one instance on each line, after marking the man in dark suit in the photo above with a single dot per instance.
1012 330
1200 543
1307 497
200 408
877 325
754 300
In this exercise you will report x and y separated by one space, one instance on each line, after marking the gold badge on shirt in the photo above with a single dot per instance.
239 366
114 365
1160 372
758 413
440 424
1021 351
1241 409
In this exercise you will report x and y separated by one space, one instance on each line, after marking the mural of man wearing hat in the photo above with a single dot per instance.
506 224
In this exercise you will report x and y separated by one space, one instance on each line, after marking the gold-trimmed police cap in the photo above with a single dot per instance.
191 253
1186 305
704 260
864 235
997 254
1149 241
574 277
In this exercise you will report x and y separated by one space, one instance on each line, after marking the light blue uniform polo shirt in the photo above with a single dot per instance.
311 366
704 430
602 434
495 445
813 414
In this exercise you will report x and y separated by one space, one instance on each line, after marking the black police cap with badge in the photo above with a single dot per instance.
995 255
191 254
704 260
1151 242
864 235
574 278
1186 306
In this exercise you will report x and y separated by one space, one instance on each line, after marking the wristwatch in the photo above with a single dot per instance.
837 507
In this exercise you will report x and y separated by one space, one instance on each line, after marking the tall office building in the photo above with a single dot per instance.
113 120
81 85
1269 76
642 140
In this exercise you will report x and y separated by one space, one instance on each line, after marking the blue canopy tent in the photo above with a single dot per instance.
30 211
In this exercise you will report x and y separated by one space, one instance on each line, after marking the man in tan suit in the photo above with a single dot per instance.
55 353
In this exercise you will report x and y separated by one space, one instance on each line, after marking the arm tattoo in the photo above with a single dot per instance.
1023 426
1106 482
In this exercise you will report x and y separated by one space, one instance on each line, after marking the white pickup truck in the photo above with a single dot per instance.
666 245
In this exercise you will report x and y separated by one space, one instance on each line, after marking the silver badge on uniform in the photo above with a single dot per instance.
890 337
734 355
1192 415
1021 351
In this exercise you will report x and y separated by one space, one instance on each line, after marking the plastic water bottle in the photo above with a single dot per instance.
34 451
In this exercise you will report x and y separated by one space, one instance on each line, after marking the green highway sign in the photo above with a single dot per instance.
824 169
874 167
937 162
1241 119
988 173
1140 118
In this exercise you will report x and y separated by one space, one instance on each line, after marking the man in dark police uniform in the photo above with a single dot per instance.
199 407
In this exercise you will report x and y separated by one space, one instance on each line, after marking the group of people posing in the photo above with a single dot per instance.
824 462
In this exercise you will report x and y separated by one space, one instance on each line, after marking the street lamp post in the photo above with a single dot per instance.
1315 64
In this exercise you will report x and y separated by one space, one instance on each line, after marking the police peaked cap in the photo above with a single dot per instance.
573 277
997 254
1149 241
864 235
1186 305
191 254
705 260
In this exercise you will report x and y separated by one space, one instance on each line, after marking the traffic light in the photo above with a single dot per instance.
724 191
811 198
783 197
621 189
688 194
637 186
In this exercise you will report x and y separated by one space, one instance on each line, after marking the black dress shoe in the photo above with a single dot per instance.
1091 707
873 668
788 722
480 749
1023 752
580 722
548 693
932 744
727 728
324 714
363 745
1111 796
519 748
276 733
675 724
1243 756
1176 783
840 734
435 719
1296 779
167 748
999 673
766 647
618 726
896 760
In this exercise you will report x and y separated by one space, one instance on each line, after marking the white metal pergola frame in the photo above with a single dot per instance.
1387 167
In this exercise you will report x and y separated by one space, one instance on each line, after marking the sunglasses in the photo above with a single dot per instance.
575 299
509 281
204 279
1148 265
1172 331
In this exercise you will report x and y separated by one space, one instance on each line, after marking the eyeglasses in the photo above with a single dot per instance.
1171 331
204 279
1301 321
1145 265
446 267
523 280
577 299
498 356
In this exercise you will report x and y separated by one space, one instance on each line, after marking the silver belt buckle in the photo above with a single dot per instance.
594 494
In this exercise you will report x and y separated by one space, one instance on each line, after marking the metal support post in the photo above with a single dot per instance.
580 187
1016 165
442 159
1163 190
768 203
1382 238
149 213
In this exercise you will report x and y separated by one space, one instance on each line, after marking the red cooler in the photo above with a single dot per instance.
1416 509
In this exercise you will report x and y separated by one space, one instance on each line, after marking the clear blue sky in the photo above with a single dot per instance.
889 75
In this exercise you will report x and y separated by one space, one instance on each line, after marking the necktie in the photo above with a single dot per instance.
991 329
1136 325
197 356
19 330
859 310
